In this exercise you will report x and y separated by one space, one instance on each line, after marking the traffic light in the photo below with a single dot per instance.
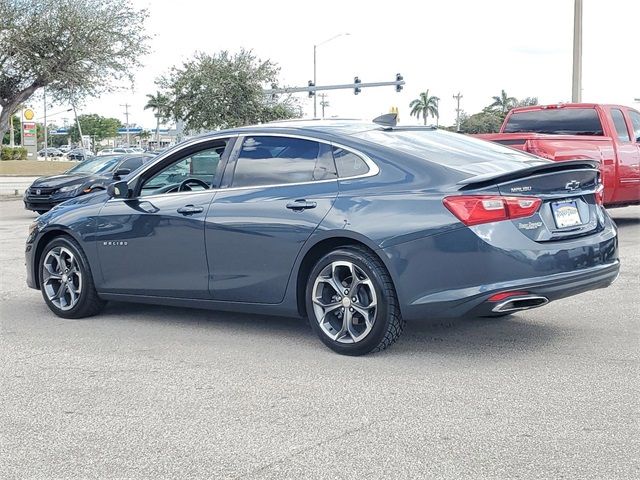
312 92
399 79
356 89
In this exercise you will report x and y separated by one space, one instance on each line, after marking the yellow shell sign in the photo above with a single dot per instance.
28 114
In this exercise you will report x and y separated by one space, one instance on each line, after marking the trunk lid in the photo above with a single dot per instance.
568 192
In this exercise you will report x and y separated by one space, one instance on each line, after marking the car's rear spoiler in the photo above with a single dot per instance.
496 177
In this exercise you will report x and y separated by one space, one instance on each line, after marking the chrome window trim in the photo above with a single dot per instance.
373 167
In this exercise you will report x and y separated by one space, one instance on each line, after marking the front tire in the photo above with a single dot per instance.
66 282
351 302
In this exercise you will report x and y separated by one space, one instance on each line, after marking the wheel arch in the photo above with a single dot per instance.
322 246
42 242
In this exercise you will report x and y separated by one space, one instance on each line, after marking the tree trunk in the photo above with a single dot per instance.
157 133
11 106
424 117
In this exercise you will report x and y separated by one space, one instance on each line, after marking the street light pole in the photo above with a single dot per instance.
315 49
576 87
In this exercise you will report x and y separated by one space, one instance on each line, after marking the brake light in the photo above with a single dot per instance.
599 194
477 209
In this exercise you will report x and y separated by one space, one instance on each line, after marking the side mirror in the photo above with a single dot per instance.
121 172
118 189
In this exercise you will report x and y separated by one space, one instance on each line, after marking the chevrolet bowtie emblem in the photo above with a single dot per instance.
572 185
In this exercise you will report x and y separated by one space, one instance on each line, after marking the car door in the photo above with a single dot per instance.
628 158
153 243
280 189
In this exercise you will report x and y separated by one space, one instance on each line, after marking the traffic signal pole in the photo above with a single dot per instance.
312 89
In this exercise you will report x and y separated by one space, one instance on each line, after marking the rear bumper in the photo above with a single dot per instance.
474 300
454 273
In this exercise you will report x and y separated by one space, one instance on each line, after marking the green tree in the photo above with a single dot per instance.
16 132
526 102
96 126
424 105
74 48
159 103
503 103
482 122
144 135
224 90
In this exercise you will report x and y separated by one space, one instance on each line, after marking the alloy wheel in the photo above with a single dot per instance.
62 278
344 302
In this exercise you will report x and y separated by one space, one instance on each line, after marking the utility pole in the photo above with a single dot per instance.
126 113
457 99
323 102
75 114
576 87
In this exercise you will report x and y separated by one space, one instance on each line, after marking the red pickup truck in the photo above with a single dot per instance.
609 134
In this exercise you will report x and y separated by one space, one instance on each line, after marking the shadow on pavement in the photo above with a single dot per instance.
464 336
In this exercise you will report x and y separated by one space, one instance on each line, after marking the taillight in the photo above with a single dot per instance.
477 209
599 194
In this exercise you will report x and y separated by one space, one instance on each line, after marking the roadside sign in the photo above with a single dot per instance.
28 114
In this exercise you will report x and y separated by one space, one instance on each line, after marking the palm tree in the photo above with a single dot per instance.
144 135
503 102
424 106
159 103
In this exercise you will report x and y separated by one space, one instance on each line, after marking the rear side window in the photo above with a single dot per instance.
556 121
620 125
635 122
348 163
282 160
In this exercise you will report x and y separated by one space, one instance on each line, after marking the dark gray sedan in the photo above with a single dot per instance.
357 226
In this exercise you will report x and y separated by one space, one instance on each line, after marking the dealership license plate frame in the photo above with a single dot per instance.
566 214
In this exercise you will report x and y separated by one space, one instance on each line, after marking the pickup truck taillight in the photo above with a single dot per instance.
477 209
600 195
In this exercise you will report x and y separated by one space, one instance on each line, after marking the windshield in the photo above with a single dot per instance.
557 121
97 165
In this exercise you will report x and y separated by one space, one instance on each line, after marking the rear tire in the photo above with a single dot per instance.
353 318
66 282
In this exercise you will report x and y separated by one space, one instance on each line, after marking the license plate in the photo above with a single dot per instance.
566 214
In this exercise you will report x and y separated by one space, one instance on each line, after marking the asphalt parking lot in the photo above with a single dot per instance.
158 392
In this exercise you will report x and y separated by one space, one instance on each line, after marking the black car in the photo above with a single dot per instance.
50 152
94 174
79 154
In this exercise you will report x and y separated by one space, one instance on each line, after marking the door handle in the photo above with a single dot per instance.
300 205
190 210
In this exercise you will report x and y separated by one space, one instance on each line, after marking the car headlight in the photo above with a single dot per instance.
69 188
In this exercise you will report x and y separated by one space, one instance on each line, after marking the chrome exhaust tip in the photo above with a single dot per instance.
523 302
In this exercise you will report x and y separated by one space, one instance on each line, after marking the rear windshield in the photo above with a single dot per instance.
560 121
453 150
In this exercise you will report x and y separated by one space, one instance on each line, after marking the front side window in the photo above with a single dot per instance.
620 125
281 160
635 122
193 172
131 164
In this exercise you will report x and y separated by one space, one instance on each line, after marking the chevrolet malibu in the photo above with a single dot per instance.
358 226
